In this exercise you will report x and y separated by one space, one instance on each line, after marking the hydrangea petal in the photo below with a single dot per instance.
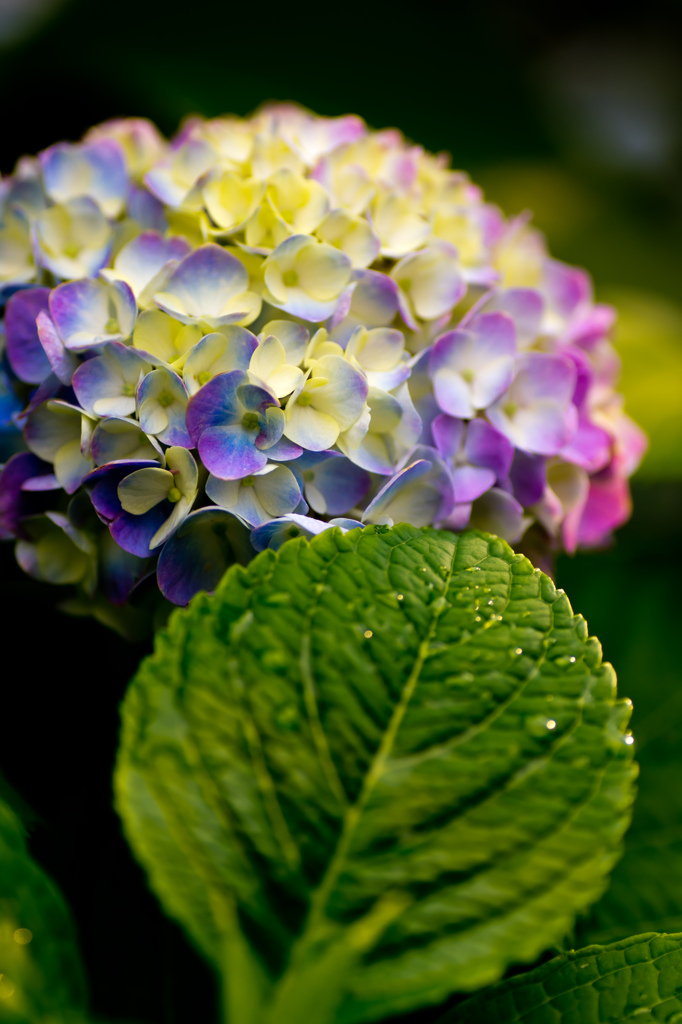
89 313
24 351
62 362
198 554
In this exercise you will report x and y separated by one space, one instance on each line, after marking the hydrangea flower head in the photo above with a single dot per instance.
265 324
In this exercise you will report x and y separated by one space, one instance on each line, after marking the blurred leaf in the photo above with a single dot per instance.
649 342
41 978
638 978
395 745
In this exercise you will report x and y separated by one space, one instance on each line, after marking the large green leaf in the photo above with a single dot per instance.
394 746
637 979
41 979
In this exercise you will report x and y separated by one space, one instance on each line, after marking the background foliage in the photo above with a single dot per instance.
577 118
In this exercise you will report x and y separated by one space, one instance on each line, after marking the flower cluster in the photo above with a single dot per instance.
217 342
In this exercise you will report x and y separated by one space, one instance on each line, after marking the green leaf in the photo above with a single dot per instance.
41 978
400 719
637 979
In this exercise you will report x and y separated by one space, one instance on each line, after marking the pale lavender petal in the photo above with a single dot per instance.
82 314
567 287
491 381
284 450
143 257
544 376
206 279
591 328
525 306
24 351
103 378
63 363
495 336
471 481
109 180
146 209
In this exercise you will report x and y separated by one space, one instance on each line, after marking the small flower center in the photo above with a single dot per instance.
308 475
174 495
112 326
290 278
305 398
203 378
165 399
293 531
510 409
72 250
248 481
250 421
468 376
128 390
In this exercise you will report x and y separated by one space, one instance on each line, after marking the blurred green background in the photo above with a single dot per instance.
573 111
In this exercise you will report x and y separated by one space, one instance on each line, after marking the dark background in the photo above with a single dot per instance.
574 110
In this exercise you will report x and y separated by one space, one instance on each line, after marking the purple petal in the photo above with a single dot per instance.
24 351
134 533
215 404
590 446
591 328
102 485
486 446
448 434
567 287
63 363
608 506
528 477
229 452
200 551
14 504
525 306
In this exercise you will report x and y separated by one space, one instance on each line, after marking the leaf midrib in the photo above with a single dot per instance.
321 894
